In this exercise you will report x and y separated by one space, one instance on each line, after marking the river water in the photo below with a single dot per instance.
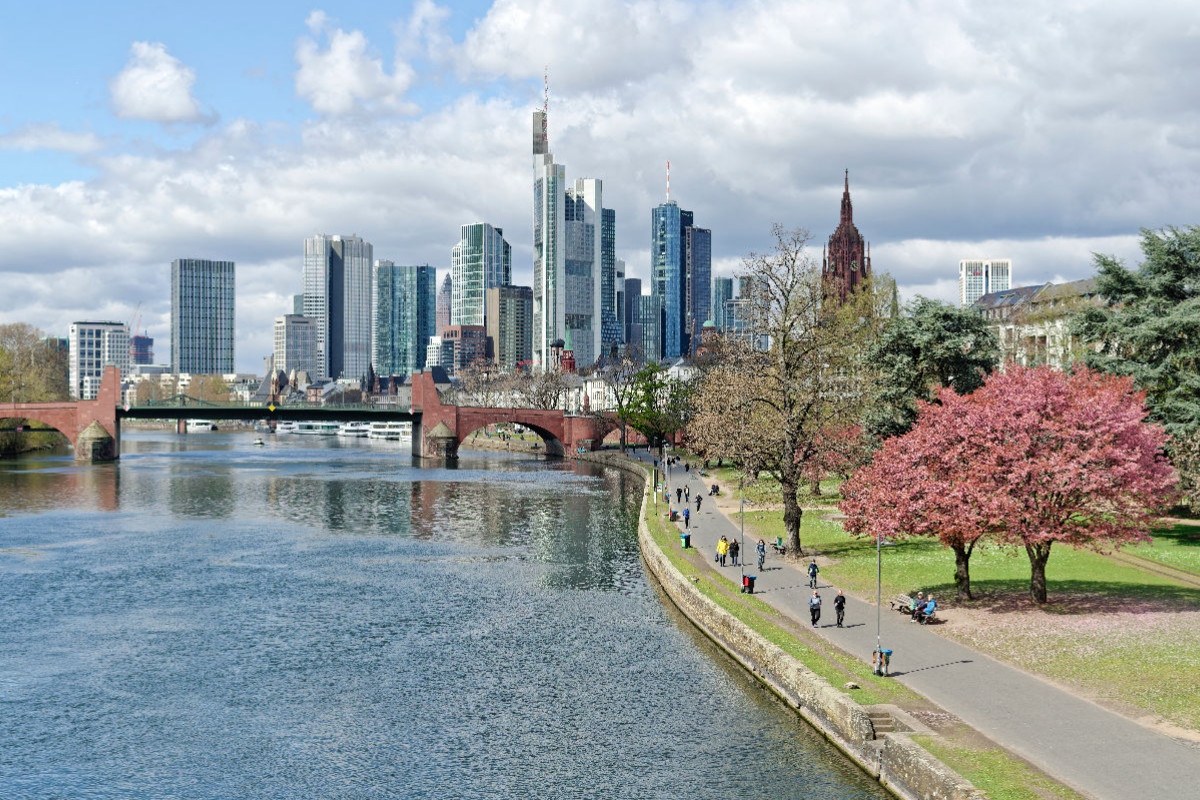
323 619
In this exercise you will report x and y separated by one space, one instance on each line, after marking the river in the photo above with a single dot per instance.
322 619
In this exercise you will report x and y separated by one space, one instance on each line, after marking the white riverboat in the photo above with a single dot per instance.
317 428
286 427
397 431
354 430
200 426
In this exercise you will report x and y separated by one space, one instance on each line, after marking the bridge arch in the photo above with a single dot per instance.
545 424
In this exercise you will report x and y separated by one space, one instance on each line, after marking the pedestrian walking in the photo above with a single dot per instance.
687 516
678 494
839 605
722 550
814 607
687 493
813 569
697 502
734 549
761 548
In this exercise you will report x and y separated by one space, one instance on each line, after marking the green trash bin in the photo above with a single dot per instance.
685 540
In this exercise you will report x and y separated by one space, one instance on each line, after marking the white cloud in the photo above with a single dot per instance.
968 130
49 136
154 86
344 75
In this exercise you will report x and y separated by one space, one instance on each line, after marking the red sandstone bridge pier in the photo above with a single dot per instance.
94 426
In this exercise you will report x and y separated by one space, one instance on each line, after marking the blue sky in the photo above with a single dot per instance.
134 133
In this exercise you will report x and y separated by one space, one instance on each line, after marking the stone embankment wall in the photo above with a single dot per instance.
902 766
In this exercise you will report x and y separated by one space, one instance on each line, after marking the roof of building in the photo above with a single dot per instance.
1008 298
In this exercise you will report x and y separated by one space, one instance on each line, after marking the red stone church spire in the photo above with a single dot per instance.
847 263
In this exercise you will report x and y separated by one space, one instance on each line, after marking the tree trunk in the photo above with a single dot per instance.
622 438
1039 554
814 487
792 513
962 570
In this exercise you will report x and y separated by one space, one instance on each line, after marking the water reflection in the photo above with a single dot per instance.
319 620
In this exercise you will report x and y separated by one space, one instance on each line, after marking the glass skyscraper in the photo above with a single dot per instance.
337 295
649 320
481 260
295 344
91 347
977 277
698 286
404 306
680 271
570 229
633 291
722 292
202 306
510 324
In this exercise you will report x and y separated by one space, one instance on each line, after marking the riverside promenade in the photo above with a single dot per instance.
1095 751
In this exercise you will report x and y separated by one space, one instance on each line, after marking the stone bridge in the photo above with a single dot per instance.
442 428
90 425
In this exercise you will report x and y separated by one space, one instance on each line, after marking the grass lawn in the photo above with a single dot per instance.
1002 775
766 492
1113 632
1177 545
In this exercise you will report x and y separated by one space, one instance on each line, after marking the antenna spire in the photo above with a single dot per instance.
546 105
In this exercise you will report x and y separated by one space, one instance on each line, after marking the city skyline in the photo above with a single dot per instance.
974 130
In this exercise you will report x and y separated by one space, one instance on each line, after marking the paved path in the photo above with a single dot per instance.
1096 751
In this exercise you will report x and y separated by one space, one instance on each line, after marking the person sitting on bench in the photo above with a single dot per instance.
915 605
926 612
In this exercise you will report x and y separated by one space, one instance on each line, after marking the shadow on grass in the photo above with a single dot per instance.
1074 597
1179 535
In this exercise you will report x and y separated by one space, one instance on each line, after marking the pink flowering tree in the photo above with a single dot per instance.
1033 457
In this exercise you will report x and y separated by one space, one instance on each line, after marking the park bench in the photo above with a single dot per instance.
903 602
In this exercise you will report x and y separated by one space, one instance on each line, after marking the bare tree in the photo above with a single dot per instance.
619 378
542 389
772 409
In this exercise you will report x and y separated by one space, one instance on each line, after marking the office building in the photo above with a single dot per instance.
467 346
649 323
633 291
444 298
295 344
978 276
141 350
92 346
619 299
481 260
510 325
610 326
680 272
698 286
439 353
202 329
569 235
298 304
337 296
722 292
846 262
404 309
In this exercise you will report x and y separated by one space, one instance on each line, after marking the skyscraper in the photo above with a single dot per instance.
404 308
680 271
337 296
633 291
481 260
848 262
977 277
619 299
650 316
295 344
444 294
202 316
91 347
722 292
510 325
698 286
569 233
610 326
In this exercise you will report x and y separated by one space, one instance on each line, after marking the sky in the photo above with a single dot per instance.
133 133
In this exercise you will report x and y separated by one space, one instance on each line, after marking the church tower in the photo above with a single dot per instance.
846 262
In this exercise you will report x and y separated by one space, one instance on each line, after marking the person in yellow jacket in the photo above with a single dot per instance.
722 550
